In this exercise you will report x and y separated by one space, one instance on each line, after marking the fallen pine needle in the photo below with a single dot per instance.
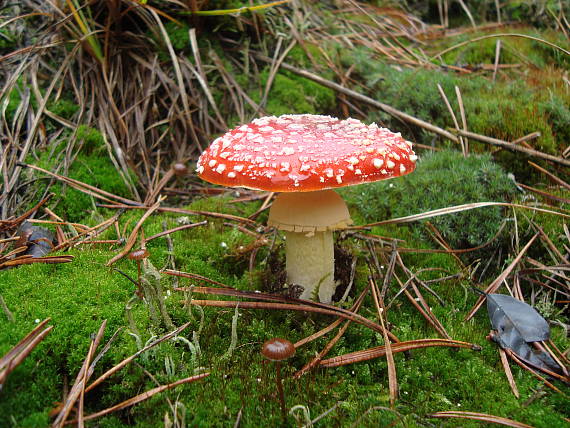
484 417
141 397
380 351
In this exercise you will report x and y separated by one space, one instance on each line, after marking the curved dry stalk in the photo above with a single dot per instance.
380 351
294 307
489 36
185 211
483 417
451 210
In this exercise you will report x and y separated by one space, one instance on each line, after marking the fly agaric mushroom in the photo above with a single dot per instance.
304 157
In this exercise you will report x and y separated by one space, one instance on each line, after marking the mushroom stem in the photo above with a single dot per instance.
280 389
308 220
139 287
310 263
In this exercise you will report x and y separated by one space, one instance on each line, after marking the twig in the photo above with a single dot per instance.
512 147
176 229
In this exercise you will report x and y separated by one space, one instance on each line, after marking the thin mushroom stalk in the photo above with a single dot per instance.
277 350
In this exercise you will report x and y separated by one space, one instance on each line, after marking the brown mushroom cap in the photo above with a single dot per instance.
277 349
139 254
302 153
180 169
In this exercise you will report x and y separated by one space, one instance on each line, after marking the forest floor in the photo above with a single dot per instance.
104 110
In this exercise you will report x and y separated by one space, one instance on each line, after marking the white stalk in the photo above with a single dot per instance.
310 263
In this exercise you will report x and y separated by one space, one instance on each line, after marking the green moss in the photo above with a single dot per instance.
310 55
92 166
505 110
63 107
179 36
558 113
284 95
79 295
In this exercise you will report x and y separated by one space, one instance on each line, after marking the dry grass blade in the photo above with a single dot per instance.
187 212
127 360
178 72
494 286
22 349
176 229
476 39
392 375
84 187
80 380
380 351
28 260
36 124
141 397
508 372
193 276
483 417
451 210
288 307
453 117
133 236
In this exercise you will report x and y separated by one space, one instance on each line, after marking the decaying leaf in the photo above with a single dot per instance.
39 241
516 324
510 316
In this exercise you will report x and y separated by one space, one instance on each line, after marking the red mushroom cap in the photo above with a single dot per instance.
302 153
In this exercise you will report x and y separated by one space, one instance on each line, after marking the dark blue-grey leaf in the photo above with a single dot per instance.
38 240
511 318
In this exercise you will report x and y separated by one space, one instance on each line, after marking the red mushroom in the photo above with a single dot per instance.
304 156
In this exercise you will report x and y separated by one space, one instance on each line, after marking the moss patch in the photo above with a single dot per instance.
79 295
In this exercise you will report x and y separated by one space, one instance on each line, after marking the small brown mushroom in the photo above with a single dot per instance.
180 169
138 255
277 350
